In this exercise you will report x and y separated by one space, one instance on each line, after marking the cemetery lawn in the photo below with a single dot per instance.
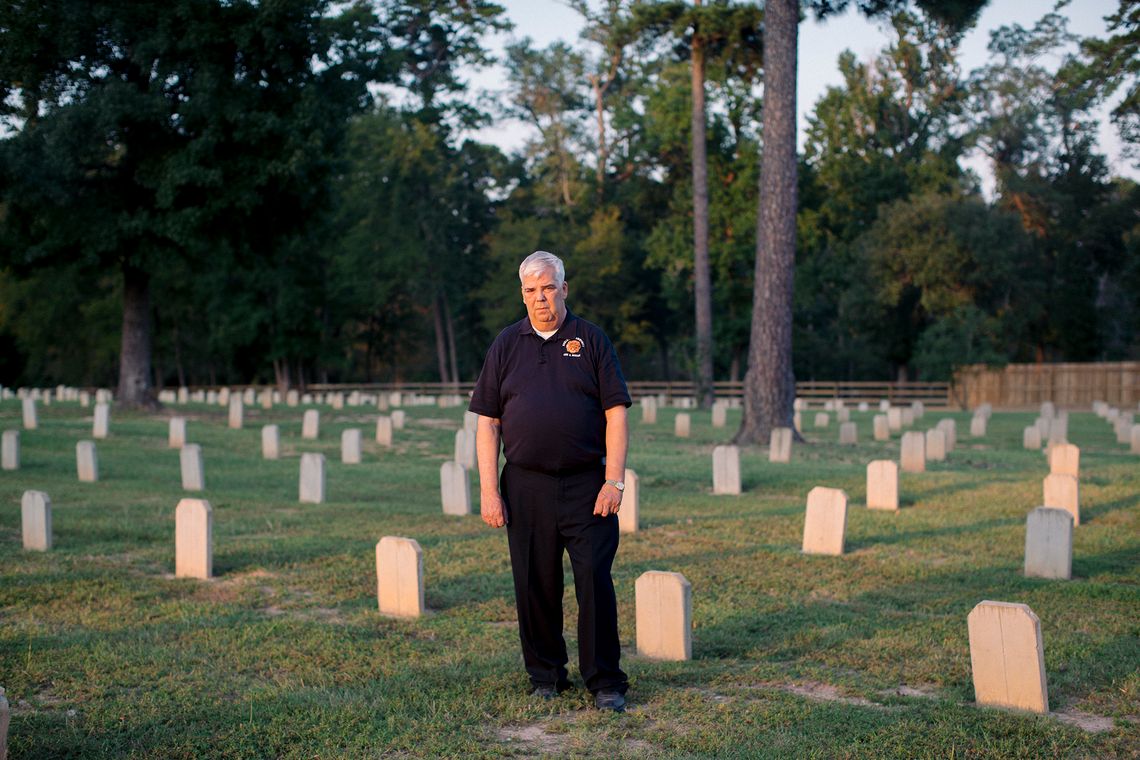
103 653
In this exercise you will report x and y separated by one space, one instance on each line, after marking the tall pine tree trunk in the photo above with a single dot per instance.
135 389
440 337
769 383
702 285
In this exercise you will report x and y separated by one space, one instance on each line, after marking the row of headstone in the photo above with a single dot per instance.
663 600
1123 424
193 541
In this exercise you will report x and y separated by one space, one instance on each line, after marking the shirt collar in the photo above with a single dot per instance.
526 327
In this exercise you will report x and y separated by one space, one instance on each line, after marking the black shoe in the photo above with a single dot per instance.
610 700
545 691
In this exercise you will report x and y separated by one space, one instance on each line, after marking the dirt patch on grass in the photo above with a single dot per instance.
823 692
925 691
1092 723
533 740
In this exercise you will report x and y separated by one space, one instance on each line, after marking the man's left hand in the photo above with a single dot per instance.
608 501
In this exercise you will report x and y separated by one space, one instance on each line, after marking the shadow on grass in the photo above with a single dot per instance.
1100 510
949 530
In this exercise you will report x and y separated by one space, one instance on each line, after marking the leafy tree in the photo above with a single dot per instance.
1112 64
892 130
145 132
770 382
703 30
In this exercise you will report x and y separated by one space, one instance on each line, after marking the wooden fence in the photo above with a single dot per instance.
933 395
1024 386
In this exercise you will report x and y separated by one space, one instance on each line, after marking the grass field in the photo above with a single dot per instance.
103 653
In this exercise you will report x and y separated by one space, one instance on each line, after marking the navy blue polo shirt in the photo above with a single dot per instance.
551 395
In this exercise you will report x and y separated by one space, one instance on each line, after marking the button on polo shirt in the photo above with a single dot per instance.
551 395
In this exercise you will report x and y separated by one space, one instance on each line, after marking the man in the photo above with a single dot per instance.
552 392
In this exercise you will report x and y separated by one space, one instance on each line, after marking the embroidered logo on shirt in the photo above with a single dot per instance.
573 347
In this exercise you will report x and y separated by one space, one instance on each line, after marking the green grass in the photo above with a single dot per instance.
104 654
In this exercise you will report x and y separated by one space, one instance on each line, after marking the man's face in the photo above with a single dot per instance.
545 300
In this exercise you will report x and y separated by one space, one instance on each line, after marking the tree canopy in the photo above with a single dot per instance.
198 191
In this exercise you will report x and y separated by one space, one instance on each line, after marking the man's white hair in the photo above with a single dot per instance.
542 261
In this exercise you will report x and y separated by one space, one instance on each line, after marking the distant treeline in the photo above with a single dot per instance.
228 177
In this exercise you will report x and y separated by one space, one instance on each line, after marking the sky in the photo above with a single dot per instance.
820 44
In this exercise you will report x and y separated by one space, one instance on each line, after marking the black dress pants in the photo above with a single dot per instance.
550 514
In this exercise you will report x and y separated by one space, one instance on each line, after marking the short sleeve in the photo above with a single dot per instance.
612 389
486 400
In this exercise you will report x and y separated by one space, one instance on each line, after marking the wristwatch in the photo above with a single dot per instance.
619 485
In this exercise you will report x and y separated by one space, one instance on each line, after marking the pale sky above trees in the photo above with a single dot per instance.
546 21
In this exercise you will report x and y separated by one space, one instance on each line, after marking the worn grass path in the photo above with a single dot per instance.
104 654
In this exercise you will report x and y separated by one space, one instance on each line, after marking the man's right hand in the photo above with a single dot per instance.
492 509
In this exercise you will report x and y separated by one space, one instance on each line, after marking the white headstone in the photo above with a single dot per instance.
193 470
1007 657
1031 438
719 414
1063 492
885 405
193 539
102 421
848 434
894 419
237 412
628 515
312 478
35 519
726 470
1065 459
465 448
825 522
842 414
907 417
398 419
10 450
864 406
384 430
780 445
176 435
1049 543
950 428
977 426
822 419
913 457
1135 440
311 424
455 489
1048 410
270 442
682 424
292 397
882 429
350 446
883 484
86 461
664 616
400 577
918 408
935 445
1059 428
31 419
